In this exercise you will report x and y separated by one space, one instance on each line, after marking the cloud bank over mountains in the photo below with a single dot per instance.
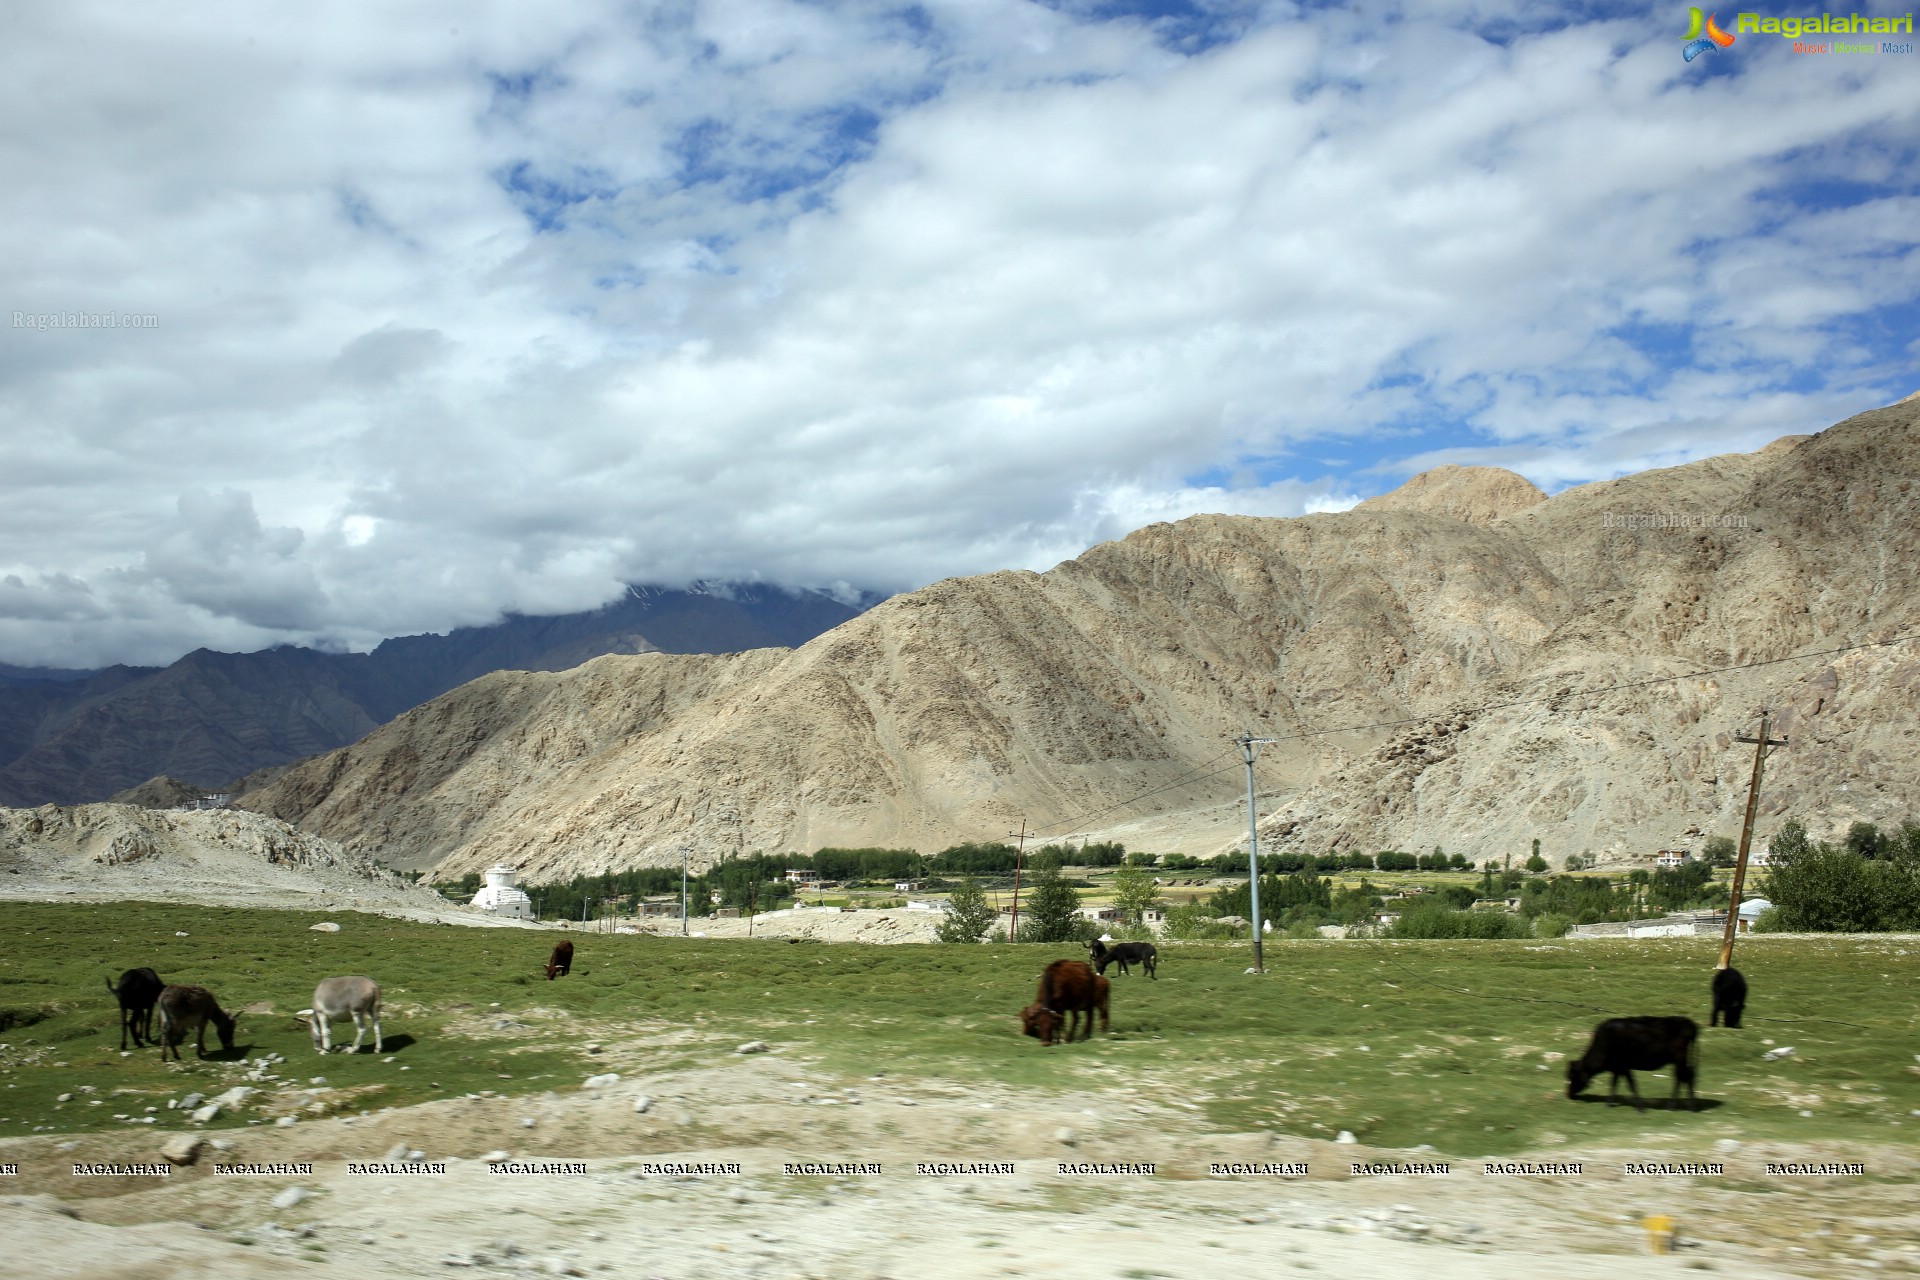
458 310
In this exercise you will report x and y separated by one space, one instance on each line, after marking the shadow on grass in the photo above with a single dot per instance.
1653 1104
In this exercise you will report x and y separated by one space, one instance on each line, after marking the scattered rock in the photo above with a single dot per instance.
204 1115
290 1197
754 1046
191 1101
496 1157
1066 1137
65 1097
642 1104
602 1081
1773 1055
1346 1138
398 1151
183 1148
236 1097
325 926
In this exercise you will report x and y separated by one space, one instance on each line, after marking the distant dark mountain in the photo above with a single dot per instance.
75 737
10 674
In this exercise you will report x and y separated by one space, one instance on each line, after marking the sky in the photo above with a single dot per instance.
425 312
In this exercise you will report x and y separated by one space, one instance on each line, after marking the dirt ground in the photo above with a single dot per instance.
761 1111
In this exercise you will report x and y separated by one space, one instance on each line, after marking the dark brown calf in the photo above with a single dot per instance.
184 1009
1067 990
137 991
560 963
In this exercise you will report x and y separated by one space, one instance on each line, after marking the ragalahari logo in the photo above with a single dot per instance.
1697 43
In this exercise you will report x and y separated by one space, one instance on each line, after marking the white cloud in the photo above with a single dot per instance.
469 309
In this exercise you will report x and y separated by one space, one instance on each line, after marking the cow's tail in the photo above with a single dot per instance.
111 989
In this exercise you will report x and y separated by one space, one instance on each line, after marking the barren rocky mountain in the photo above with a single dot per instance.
1428 663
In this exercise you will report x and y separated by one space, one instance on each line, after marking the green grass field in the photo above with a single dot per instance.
1403 1043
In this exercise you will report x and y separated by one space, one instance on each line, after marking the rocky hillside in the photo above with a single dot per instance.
212 717
112 851
1424 661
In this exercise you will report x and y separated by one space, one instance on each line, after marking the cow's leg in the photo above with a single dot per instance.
326 1031
358 1031
375 1015
1639 1103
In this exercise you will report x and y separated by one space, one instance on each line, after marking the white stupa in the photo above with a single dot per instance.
501 897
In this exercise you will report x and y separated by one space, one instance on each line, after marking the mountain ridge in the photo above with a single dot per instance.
210 718
1104 694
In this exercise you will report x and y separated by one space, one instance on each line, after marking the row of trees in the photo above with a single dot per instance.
1868 883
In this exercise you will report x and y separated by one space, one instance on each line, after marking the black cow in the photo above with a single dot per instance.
1626 1045
1067 989
1729 997
1124 953
137 991
560 963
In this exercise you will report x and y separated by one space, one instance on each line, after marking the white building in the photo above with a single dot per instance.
501 897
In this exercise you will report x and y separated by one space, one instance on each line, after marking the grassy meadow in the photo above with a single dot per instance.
1460 1045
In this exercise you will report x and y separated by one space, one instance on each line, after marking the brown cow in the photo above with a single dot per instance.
1067 990
184 1009
560 963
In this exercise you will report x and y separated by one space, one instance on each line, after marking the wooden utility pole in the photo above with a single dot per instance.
1019 853
1760 745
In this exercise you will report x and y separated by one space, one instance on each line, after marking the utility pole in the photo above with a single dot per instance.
1019 854
1247 744
684 851
1760 745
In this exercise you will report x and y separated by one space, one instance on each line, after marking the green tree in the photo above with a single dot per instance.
1720 851
968 915
1134 891
1052 910
1193 922
1818 888
1864 840
1536 863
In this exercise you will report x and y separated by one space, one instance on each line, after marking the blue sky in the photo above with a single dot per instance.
463 308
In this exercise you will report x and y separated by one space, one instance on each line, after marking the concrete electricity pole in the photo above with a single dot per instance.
1247 744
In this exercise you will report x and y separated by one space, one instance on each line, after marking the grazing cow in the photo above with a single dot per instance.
1729 997
137 991
338 998
560 963
1623 1046
184 1009
1124 953
1067 990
